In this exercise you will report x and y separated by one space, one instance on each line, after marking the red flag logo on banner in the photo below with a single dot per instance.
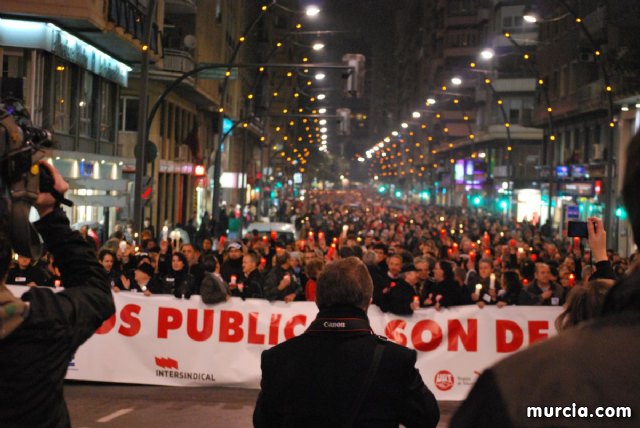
167 363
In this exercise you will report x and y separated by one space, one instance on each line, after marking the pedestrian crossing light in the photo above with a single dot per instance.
476 201
398 194
382 189
424 194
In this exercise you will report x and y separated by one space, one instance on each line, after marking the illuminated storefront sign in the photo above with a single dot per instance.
50 38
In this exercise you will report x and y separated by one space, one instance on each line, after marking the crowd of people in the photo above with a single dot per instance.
418 257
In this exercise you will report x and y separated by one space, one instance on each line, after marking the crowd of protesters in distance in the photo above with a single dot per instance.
418 257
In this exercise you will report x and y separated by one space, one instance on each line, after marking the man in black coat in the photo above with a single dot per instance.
403 296
254 282
40 333
339 373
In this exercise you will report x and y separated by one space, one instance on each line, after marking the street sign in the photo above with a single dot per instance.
217 73
573 212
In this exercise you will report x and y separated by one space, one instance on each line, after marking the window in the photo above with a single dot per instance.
12 63
514 115
107 90
128 114
62 96
85 104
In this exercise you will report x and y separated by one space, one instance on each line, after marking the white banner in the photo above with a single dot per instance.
161 340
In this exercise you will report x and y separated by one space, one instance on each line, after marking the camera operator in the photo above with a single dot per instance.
40 332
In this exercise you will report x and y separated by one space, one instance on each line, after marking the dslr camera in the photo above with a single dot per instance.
21 178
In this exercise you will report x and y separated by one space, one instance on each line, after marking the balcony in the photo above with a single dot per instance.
468 19
591 96
113 26
178 61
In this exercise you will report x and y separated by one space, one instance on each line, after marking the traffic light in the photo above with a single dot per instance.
355 74
621 213
382 189
503 203
398 194
425 194
476 200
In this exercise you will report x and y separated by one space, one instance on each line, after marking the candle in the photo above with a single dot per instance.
332 249
320 236
492 281
525 282
233 280
572 279
57 283
512 242
416 299
478 288
472 256
222 239
274 235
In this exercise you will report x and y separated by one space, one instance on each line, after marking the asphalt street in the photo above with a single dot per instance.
127 406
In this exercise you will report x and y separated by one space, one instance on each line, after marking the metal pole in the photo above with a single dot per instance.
142 115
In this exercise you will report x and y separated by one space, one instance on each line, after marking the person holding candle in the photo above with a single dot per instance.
232 265
401 297
445 291
512 292
280 283
485 294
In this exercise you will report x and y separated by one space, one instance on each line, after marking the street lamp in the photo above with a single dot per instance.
318 46
312 10
487 54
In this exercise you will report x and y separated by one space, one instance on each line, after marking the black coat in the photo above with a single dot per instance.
400 297
35 357
17 276
252 286
312 380
179 283
232 267
381 283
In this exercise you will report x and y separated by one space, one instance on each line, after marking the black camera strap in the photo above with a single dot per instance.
373 368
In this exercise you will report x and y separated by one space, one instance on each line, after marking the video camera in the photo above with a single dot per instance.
21 178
